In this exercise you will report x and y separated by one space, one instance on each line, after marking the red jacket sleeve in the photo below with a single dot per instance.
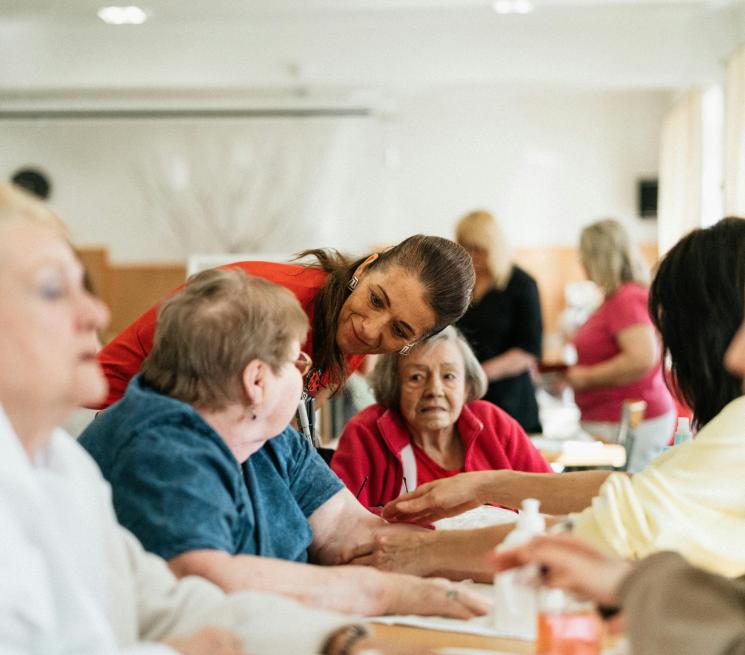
122 357
517 446
523 455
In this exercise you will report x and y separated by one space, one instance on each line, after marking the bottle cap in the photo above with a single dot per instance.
530 519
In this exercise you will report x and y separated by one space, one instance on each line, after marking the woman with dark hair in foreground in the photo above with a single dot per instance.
688 499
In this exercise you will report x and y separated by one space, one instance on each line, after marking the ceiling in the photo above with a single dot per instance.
224 47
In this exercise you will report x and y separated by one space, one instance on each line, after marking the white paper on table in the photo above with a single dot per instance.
480 625
478 517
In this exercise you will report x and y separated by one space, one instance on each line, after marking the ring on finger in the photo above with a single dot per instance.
452 594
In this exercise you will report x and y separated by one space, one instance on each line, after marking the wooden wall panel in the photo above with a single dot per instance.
135 288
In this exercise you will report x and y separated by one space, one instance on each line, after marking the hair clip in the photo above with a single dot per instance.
352 284
406 349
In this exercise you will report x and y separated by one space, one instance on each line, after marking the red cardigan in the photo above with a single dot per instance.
375 443
122 357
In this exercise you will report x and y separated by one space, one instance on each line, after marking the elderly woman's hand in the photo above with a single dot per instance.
404 552
441 498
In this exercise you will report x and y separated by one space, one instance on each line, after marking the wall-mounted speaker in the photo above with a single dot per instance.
647 197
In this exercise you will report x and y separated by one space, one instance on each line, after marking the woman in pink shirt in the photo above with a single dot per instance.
618 353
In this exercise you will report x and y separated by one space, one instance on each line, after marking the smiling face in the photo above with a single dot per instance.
385 312
433 387
49 324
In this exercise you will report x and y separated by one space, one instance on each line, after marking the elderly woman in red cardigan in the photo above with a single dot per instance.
428 423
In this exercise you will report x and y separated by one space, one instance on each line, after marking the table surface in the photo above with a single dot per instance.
437 639
575 454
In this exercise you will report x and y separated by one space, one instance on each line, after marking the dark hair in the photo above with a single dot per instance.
696 303
442 266
33 181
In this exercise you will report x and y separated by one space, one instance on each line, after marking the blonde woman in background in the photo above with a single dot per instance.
618 354
503 325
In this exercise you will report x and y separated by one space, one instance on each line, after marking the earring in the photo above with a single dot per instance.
253 416
406 349
352 285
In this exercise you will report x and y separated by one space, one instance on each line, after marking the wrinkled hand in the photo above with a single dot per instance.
439 499
434 597
207 641
403 552
570 563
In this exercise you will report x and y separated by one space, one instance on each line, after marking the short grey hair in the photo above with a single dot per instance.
385 378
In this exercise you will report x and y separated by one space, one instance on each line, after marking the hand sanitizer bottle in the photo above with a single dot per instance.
515 600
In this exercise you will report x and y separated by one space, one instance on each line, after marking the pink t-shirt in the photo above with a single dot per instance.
596 342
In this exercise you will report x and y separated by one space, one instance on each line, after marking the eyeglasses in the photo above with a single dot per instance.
303 363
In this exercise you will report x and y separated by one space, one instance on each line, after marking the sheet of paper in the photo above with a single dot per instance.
480 625
478 517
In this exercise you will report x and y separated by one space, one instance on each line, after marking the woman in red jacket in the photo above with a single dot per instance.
382 303
428 424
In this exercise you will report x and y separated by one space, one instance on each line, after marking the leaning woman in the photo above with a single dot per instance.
381 303
618 354
428 424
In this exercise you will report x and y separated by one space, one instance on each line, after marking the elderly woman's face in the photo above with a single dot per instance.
433 387
48 339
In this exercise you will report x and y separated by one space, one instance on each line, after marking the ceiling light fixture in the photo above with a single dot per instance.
129 15
512 6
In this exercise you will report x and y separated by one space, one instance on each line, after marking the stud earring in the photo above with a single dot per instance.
352 285
406 349
253 416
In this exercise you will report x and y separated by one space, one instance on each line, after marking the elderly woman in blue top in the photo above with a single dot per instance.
196 477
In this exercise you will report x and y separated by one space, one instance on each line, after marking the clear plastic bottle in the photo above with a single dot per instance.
567 625
515 601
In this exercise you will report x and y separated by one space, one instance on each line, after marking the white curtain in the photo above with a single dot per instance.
260 185
734 140
681 156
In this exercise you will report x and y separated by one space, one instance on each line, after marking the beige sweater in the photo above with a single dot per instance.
690 499
672 607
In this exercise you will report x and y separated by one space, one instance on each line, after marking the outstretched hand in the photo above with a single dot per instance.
438 499
571 564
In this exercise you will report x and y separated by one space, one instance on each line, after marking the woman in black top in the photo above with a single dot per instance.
503 325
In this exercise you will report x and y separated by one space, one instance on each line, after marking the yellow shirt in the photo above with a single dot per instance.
690 499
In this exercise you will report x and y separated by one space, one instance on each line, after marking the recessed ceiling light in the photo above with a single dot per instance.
129 15
512 6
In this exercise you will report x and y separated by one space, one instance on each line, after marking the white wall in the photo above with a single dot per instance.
545 160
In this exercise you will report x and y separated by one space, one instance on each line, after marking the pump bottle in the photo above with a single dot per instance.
515 599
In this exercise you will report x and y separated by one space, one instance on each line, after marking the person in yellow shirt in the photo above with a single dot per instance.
690 499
